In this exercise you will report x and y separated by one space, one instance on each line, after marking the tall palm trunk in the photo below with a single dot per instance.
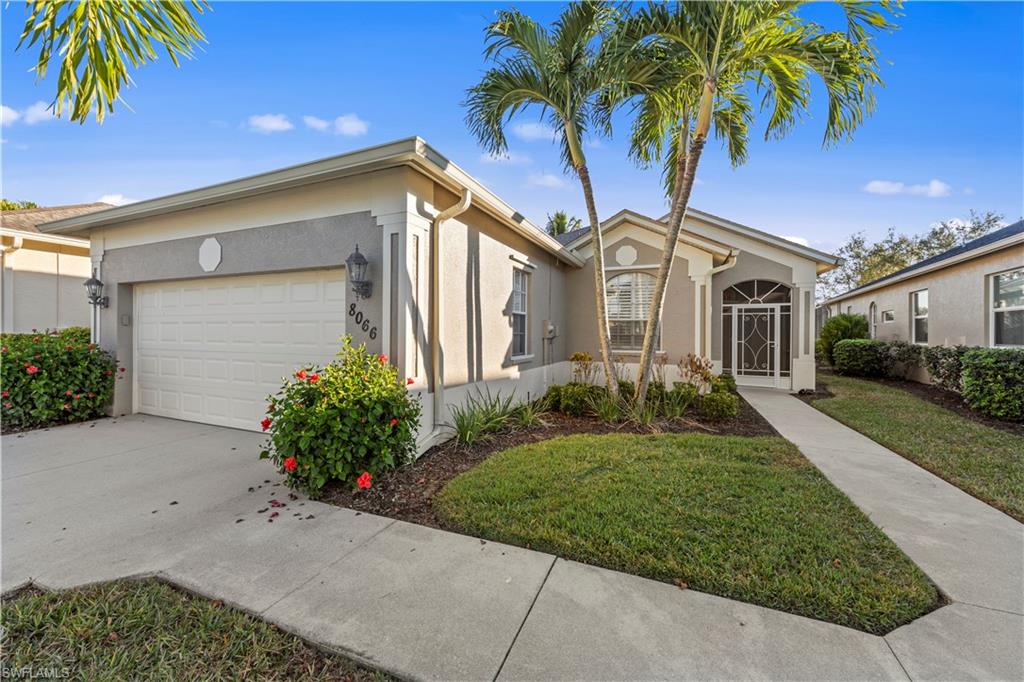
682 189
600 293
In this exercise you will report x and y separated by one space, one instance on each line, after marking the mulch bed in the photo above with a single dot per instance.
953 402
408 492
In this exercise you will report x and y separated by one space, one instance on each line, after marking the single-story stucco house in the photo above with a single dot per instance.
216 293
43 273
970 295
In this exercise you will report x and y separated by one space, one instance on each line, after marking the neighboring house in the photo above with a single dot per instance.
216 293
43 273
971 295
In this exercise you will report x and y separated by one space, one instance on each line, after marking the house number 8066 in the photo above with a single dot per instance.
362 321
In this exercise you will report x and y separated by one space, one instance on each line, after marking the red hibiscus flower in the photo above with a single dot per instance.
6 393
290 464
120 369
383 358
67 406
313 378
265 423
365 481
409 381
393 421
8 405
301 374
67 392
31 369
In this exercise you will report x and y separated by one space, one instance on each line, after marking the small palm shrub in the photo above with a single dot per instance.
859 357
835 329
481 416
993 382
344 422
720 406
51 378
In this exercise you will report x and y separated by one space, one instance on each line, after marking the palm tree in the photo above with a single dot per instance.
560 222
563 73
705 59
96 40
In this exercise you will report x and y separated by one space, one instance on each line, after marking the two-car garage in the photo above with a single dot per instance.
211 350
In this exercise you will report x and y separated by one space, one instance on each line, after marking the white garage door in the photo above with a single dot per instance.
212 350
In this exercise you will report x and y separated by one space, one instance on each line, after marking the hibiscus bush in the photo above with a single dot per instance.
50 378
344 422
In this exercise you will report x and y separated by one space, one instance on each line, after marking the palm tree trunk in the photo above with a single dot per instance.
682 189
601 305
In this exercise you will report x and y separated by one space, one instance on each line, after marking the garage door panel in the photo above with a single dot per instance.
212 351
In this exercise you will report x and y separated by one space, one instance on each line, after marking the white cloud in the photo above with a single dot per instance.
316 123
932 189
116 199
350 125
508 158
269 123
802 241
8 115
531 132
38 113
549 180
969 191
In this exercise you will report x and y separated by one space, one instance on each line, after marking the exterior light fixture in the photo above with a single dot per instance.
94 290
356 265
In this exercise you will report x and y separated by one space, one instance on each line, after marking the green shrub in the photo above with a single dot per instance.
720 406
993 382
606 407
944 365
482 416
656 393
353 416
724 383
575 399
835 329
681 398
53 378
899 358
859 357
530 414
553 397
626 388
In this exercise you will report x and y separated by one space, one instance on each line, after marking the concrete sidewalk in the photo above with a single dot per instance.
149 496
973 552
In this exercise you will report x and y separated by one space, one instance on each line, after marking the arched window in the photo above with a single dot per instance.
629 300
756 291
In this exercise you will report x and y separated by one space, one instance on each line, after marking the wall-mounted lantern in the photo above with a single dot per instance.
94 291
356 264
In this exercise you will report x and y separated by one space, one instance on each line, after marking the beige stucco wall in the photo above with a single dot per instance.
958 301
678 331
478 257
42 288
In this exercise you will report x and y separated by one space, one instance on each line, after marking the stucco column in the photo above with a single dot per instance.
803 340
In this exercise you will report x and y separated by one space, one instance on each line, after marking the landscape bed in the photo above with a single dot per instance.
972 452
148 629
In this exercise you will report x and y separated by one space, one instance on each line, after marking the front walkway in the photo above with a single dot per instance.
190 503
974 553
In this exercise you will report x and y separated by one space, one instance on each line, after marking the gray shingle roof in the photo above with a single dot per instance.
572 235
27 219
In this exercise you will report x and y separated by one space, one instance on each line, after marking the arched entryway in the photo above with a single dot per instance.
756 333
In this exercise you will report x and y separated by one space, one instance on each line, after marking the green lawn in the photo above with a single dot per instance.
746 518
148 630
983 461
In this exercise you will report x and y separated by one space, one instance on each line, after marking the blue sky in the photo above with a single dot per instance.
282 83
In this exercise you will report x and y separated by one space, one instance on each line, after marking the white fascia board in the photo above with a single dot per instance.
963 257
47 238
633 218
413 151
759 235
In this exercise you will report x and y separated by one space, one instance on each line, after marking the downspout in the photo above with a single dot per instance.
8 309
709 307
436 300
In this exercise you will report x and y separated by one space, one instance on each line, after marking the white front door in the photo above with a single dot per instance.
212 350
759 342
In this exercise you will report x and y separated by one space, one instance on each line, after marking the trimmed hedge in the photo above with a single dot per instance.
993 381
860 357
944 364
720 405
53 378
899 358
835 329
575 399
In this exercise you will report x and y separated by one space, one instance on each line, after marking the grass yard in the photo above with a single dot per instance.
983 461
746 518
149 630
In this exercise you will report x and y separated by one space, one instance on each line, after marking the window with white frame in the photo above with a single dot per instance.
1007 309
919 316
629 301
519 311
888 316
